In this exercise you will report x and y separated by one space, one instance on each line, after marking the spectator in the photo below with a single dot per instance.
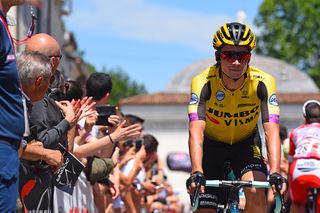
142 186
12 121
99 86
48 125
73 90
35 73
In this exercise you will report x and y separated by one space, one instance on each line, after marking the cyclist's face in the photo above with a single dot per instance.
234 60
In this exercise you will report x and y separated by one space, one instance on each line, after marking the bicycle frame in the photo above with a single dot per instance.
235 185
313 199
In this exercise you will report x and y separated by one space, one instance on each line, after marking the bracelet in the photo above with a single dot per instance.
110 138
42 155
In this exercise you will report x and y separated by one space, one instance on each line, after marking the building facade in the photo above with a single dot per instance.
50 15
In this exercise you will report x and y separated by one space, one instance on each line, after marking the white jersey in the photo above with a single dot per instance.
305 142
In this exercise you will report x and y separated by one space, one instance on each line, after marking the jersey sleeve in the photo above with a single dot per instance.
291 147
270 111
200 90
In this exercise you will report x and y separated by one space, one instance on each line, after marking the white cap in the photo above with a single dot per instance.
305 105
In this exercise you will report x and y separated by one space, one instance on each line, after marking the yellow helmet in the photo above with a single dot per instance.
235 34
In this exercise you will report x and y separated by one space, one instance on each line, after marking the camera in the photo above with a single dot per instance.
104 113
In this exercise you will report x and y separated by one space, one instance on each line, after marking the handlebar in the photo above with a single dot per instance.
238 184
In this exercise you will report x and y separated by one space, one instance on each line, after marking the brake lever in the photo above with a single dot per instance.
278 189
195 194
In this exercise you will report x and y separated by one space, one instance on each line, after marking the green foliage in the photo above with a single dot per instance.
91 68
123 86
290 30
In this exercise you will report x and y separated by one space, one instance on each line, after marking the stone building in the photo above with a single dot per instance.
50 15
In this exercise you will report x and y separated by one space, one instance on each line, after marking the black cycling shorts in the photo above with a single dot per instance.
243 156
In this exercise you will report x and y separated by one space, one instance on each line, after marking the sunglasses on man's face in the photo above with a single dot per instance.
231 56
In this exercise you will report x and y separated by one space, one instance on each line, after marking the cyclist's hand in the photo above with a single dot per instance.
279 183
193 180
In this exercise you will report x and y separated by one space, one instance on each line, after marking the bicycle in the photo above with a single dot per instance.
234 186
313 196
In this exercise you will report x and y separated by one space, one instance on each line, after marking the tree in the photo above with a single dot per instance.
123 86
290 30
91 68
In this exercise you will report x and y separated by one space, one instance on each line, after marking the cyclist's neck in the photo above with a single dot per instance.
232 84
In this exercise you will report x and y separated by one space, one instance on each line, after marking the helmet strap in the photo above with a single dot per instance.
217 54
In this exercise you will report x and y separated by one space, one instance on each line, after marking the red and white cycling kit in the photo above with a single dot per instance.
304 153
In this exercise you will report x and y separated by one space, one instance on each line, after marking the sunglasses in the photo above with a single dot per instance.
231 56
31 29
55 56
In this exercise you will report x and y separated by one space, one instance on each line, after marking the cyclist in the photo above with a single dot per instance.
304 157
226 102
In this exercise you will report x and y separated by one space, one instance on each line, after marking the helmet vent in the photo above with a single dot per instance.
236 31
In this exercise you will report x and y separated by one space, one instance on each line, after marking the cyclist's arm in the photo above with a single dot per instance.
273 145
270 117
196 130
200 93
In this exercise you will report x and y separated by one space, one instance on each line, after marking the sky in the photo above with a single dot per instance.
151 40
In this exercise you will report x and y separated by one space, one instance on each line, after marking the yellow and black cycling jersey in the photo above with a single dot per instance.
232 116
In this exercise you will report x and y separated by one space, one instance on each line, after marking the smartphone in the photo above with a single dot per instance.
138 144
104 113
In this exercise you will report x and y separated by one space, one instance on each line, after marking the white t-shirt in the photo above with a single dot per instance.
94 131
127 168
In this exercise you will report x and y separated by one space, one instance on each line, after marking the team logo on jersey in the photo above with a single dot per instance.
11 57
194 99
220 95
245 94
273 100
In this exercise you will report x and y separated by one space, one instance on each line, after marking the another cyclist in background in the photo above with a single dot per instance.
304 157
226 102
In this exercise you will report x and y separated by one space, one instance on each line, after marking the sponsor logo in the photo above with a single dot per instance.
208 196
273 100
220 95
252 167
213 120
245 94
194 99
256 152
11 57
218 104
238 118
257 76
246 104
208 203
307 164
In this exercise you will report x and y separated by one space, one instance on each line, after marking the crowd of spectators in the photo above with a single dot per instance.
54 157
122 170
